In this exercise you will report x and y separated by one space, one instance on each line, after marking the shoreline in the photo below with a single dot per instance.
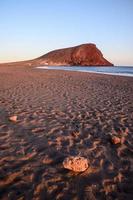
60 114
83 70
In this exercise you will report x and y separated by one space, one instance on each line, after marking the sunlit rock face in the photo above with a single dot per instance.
82 55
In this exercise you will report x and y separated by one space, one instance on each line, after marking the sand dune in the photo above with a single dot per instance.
61 114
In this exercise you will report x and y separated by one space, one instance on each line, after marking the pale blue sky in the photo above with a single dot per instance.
30 28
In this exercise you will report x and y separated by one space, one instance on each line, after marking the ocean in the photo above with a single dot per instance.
116 70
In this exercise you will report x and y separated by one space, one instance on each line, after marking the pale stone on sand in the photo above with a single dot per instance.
76 164
13 118
117 140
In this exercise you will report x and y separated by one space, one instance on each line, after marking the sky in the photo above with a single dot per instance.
31 28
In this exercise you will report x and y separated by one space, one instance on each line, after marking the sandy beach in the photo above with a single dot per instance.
61 114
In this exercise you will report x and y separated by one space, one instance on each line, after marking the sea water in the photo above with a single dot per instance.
115 70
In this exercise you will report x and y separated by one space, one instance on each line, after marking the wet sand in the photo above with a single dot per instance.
62 114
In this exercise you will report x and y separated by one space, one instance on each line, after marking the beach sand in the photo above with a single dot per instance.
61 114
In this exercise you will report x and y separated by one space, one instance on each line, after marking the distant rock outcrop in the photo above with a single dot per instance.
82 55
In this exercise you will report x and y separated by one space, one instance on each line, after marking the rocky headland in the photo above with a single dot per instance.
82 55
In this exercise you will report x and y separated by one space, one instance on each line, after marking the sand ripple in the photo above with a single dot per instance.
62 114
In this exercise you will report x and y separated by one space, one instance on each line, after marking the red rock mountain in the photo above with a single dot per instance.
83 55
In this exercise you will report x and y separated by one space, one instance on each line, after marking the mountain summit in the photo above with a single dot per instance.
82 55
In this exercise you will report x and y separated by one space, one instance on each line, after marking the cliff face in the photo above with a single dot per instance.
83 55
